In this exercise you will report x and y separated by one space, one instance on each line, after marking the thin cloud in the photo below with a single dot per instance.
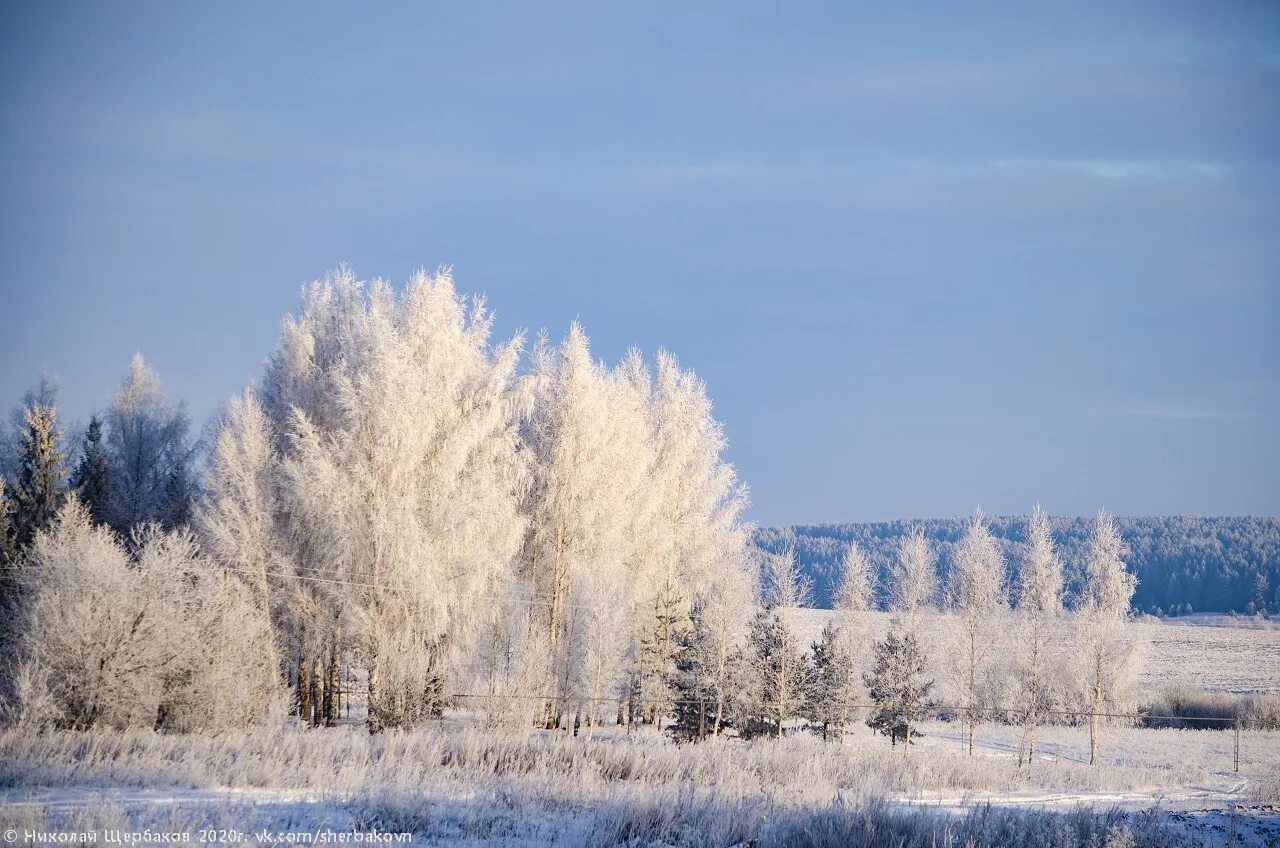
1179 412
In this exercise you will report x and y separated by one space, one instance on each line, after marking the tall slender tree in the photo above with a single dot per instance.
41 474
1039 614
1105 653
92 476
977 600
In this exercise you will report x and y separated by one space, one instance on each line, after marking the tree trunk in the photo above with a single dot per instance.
373 691
304 687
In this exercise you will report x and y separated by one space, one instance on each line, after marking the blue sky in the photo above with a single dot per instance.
925 257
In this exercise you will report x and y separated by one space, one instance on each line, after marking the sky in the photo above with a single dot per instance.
926 258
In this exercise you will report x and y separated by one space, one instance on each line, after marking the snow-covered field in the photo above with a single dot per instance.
460 784
1241 656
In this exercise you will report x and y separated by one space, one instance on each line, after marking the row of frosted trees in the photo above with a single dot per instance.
1003 648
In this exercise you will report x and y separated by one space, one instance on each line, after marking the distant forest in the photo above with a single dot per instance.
1183 564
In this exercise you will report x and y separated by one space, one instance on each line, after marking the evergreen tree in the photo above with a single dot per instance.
832 689
8 545
40 474
149 452
782 670
661 655
897 684
693 703
92 476
8 555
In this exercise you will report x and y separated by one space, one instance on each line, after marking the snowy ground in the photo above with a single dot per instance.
457 784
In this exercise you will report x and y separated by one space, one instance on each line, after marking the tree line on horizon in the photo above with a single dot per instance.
1184 564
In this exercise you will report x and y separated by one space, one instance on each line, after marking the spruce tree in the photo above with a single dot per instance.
782 670
8 545
897 685
831 691
92 476
40 474
660 655
8 557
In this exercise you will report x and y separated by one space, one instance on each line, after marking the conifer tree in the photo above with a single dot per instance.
92 476
8 545
832 690
149 453
897 684
41 473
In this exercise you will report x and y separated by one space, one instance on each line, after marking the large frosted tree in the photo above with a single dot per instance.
977 602
588 458
397 424
1106 654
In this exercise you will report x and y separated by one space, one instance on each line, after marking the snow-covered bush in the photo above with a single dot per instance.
156 639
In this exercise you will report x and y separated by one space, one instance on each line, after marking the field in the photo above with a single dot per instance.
457 782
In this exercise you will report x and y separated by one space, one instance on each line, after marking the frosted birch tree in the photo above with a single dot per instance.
977 602
584 466
401 476
237 519
915 577
1106 655
1039 616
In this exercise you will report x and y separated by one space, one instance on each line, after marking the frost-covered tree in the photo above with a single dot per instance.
8 543
977 601
160 640
1039 614
853 601
779 664
39 488
401 480
720 629
587 463
915 579
149 453
239 513
91 478
832 689
1106 655
709 669
897 684
43 393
